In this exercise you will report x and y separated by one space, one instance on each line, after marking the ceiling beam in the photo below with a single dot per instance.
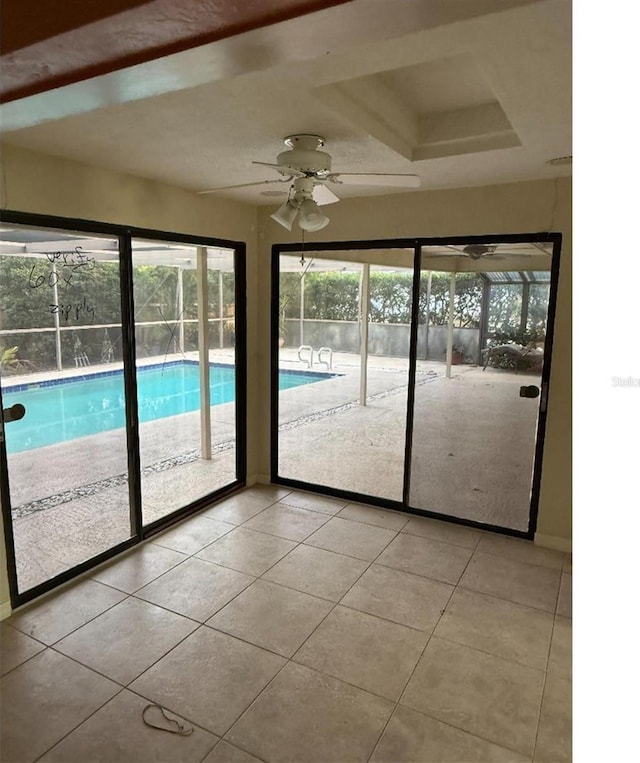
48 45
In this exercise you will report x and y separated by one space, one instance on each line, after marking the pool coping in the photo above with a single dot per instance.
24 386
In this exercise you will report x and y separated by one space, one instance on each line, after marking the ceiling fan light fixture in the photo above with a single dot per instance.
285 215
311 218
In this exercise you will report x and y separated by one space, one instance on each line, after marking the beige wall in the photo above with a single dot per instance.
33 182
48 185
4 578
514 208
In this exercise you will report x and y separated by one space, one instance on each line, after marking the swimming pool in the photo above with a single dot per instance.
65 409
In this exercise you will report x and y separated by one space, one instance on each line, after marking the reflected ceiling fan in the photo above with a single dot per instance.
308 172
478 251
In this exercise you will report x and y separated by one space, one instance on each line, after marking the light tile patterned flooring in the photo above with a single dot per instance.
286 626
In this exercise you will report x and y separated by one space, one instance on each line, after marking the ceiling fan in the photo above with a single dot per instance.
478 251
307 170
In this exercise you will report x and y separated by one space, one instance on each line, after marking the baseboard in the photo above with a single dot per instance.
554 542
5 610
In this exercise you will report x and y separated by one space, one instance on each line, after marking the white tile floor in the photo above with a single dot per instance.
316 631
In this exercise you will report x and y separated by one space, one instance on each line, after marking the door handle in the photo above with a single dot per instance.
529 390
14 413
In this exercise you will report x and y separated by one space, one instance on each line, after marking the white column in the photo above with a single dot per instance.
56 318
364 331
220 311
203 353
180 311
452 296
302 309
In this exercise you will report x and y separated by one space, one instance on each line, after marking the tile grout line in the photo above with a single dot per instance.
431 635
520 561
371 563
194 556
128 595
289 660
466 586
91 619
124 687
121 689
204 624
415 667
544 687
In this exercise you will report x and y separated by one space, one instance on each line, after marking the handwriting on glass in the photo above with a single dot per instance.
74 310
71 263
74 260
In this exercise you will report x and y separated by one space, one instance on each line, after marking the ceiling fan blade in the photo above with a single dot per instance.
323 195
244 185
291 172
375 178
269 164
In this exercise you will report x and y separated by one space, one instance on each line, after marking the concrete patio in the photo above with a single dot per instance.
473 437
472 456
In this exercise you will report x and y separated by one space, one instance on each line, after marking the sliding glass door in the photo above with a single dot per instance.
343 365
185 309
122 386
63 398
475 428
415 376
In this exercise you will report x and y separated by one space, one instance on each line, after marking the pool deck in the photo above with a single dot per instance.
69 505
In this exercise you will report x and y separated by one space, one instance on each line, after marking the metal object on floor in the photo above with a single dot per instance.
180 728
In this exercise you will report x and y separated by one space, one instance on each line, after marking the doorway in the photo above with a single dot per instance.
122 386
434 396
475 431
343 369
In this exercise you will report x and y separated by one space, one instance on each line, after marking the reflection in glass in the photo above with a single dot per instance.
473 435
61 357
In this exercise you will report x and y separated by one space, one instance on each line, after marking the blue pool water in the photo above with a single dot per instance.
66 409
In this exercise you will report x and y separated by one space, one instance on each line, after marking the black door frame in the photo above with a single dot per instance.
140 532
417 245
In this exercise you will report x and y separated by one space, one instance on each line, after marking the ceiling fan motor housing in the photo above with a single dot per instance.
476 251
303 155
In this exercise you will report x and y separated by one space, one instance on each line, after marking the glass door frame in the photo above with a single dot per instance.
139 531
417 244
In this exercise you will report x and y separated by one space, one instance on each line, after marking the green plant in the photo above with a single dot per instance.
8 356
10 362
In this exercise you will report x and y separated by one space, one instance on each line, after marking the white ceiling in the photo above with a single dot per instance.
461 93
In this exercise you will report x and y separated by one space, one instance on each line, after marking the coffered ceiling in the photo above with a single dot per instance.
462 93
